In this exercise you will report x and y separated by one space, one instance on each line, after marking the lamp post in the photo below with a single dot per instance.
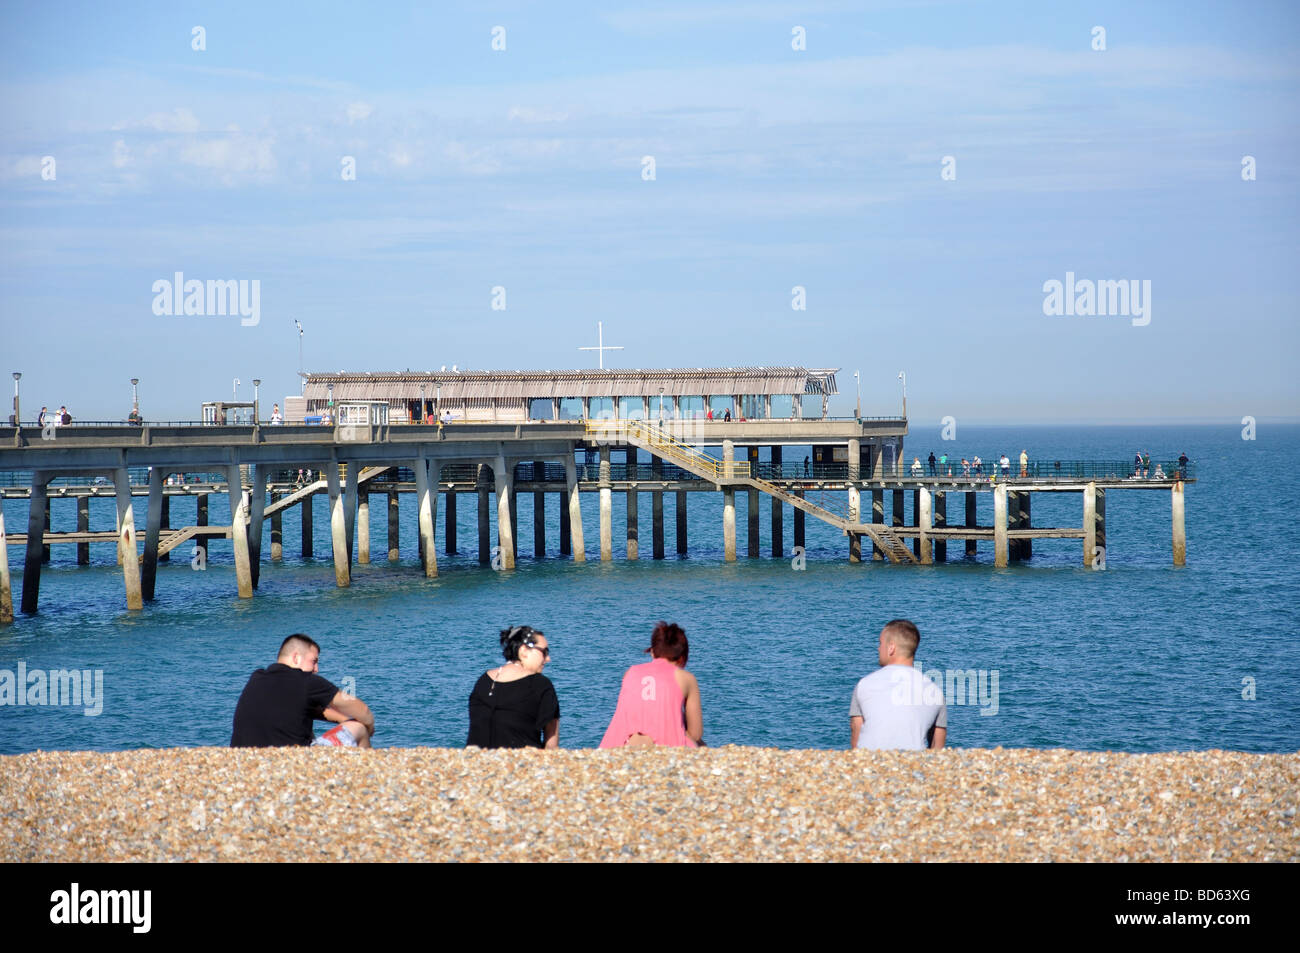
902 376
135 394
857 378
422 413
329 389
257 382
661 406
437 401
303 377
18 414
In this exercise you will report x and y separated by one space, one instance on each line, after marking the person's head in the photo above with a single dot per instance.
668 641
299 651
898 641
525 646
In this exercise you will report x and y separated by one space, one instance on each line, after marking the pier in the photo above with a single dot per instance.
353 458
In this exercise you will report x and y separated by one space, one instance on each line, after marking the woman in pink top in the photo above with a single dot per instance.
659 703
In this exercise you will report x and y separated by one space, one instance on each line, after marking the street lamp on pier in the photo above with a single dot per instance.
257 383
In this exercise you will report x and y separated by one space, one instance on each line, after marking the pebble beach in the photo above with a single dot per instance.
723 804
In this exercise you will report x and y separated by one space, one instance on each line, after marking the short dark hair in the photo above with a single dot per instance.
905 635
304 642
668 641
514 638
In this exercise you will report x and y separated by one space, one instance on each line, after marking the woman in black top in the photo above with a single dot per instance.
514 706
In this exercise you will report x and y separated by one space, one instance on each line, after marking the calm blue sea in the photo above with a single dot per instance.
1140 657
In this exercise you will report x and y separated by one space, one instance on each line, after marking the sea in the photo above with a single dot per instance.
1140 656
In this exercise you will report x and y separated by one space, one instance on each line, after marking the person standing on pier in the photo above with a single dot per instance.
931 462
276 418
1024 463
1182 465
40 418
896 707
65 418
280 702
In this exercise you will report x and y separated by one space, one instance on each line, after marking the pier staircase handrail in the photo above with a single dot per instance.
668 447
297 496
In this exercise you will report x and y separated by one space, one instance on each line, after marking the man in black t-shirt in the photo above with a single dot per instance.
280 702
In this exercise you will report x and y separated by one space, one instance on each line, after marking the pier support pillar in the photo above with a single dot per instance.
394 525
606 509
277 529
778 509
426 504
970 521
1180 534
1093 545
681 522
166 519
514 516
566 527
657 524
573 507
363 526
351 474
896 509
6 589
799 517
35 540
505 485
925 522
539 524
484 518
633 526
450 520
855 514
752 549
83 526
126 544
256 518
728 506
304 514
877 516
657 509
941 520
1000 525
239 531
153 529
45 550
728 524
855 460
338 528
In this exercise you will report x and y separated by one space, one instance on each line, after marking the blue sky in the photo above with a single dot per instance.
774 168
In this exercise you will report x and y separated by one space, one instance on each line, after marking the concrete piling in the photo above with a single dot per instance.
363 526
450 520
970 522
35 538
338 528
304 513
394 526
574 507
484 518
426 504
877 516
256 510
1179 533
277 529
153 529
778 510
1000 526
799 517
166 519
126 540
83 526
680 514
924 521
505 525
6 589
606 509
941 521
633 527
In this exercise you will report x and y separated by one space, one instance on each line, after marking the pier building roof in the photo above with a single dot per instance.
589 382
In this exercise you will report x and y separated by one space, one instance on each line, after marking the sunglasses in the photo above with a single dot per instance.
544 649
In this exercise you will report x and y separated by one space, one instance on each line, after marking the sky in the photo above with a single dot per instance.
875 186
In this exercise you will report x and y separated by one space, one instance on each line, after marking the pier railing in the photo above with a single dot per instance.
668 447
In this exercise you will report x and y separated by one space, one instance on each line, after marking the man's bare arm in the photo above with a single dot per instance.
940 736
353 709
855 728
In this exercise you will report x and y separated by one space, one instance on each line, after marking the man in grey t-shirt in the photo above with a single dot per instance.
896 706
